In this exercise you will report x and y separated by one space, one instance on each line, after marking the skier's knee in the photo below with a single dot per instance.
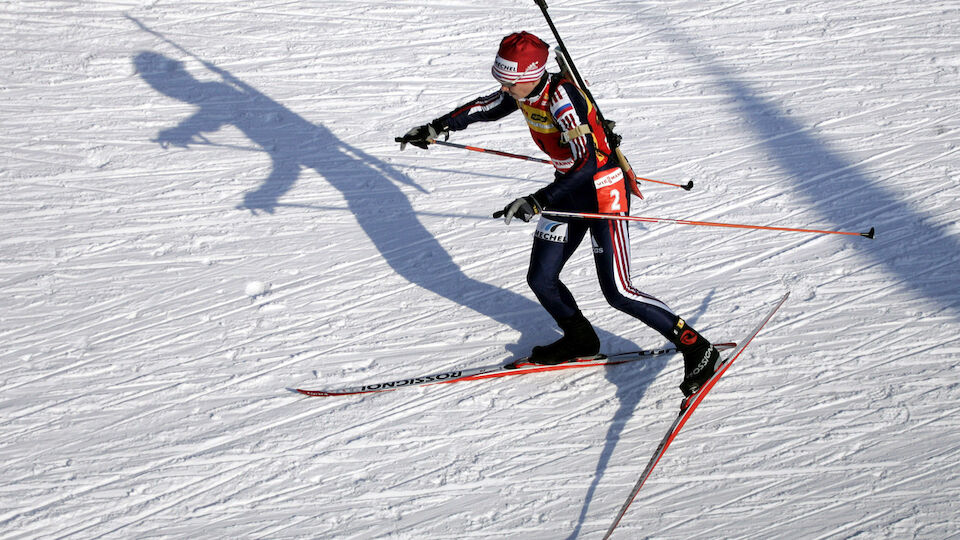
619 302
541 283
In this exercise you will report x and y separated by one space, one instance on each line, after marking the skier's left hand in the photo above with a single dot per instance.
257 200
523 208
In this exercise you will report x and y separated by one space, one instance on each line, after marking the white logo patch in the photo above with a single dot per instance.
597 248
551 231
506 66
610 178
562 165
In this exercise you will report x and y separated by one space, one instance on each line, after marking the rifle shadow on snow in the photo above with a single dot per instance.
371 188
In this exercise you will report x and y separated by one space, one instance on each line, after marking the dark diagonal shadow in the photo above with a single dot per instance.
909 244
632 382
921 254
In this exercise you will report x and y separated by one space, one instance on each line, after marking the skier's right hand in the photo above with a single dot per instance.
421 136
174 137
523 208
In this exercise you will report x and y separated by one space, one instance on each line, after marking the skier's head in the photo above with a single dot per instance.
522 58
166 75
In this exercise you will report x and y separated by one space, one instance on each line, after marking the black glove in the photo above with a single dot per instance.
523 208
421 136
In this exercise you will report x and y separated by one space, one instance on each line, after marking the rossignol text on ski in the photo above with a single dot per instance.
519 367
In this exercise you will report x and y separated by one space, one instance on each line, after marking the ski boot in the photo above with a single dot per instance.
579 341
700 357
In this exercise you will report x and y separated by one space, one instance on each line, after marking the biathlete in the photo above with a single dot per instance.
564 124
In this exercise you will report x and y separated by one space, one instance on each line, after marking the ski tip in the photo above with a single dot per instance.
869 234
688 186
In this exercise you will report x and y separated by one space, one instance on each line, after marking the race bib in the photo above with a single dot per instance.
611 191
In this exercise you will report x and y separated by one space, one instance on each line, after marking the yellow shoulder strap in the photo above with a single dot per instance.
572 134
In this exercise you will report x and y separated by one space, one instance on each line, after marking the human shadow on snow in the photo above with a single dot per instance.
370 187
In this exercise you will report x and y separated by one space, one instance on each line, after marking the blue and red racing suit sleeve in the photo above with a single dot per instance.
483 109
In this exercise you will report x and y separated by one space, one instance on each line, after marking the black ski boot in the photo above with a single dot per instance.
700 357
579 341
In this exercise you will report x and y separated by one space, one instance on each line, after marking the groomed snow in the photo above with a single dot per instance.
203 207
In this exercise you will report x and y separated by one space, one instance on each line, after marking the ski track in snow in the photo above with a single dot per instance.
204 207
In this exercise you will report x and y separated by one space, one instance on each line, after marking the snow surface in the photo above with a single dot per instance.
203 206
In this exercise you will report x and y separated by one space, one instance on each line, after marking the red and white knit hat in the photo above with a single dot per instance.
522 58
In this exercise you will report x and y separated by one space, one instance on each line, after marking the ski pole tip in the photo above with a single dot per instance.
869 234
688 186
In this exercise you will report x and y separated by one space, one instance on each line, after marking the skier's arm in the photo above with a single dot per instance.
183 134
483 109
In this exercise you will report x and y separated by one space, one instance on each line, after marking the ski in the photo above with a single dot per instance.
520 367
687 406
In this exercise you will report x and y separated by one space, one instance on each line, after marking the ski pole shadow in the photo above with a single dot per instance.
632 382
370 187
909 245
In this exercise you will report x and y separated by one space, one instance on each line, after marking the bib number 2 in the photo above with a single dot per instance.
611 191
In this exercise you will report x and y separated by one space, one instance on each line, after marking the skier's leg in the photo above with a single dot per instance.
611 253
554 243
611 248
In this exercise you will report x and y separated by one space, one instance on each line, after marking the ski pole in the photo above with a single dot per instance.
587 215
612 138
688 186
483 150
491 151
